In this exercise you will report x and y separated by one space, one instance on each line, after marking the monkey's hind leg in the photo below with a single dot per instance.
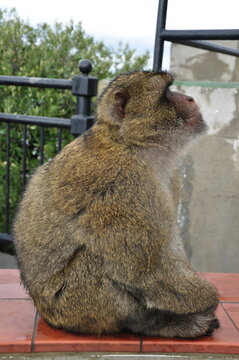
154 322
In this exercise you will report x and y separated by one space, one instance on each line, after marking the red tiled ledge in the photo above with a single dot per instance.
22 330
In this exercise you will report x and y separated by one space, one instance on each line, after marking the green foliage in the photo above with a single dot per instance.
50 52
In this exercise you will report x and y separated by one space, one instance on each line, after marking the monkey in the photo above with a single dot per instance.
96 231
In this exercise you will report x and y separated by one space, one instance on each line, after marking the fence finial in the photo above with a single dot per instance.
85 67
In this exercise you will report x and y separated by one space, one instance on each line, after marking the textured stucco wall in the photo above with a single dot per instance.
210 198
196 64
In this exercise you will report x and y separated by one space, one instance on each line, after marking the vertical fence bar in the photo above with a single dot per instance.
7 177
159 40
42 140
24 167
59 140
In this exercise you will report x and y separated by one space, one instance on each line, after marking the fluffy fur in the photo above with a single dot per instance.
96 232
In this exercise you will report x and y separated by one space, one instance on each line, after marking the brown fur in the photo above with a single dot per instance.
96 233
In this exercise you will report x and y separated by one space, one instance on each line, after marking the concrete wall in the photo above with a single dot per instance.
196 64
209 214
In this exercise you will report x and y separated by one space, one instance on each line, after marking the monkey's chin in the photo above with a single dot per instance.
195 124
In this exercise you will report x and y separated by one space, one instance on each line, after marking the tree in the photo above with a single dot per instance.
46 51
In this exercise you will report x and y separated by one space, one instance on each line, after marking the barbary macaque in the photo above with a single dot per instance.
96 233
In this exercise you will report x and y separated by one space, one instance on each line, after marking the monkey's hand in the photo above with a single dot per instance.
180 291
184 326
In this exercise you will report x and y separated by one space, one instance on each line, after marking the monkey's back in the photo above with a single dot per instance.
82 219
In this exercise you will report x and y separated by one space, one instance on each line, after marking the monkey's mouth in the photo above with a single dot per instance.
194 121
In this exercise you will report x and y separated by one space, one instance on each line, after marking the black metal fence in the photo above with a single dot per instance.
194 38
84 87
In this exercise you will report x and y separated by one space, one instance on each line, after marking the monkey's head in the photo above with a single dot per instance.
144 111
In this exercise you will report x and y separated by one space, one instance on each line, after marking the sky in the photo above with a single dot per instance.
132 21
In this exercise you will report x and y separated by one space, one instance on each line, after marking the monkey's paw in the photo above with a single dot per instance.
188 326
215 324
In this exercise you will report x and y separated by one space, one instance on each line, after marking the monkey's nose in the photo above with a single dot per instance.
190 99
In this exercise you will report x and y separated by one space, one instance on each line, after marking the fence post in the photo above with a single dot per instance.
84 87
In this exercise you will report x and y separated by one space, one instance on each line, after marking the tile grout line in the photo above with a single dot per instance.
141 343
229 302
34 333
230 317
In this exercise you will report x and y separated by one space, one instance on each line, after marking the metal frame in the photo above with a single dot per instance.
193 38
84 87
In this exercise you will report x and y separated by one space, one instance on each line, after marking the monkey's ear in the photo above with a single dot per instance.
121 98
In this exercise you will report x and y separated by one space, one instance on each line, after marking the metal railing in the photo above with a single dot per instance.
84 87
193 38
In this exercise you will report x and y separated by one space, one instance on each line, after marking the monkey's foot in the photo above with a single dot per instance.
189 326
215 324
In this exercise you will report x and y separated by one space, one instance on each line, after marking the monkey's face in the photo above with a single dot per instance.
188 113
146 111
